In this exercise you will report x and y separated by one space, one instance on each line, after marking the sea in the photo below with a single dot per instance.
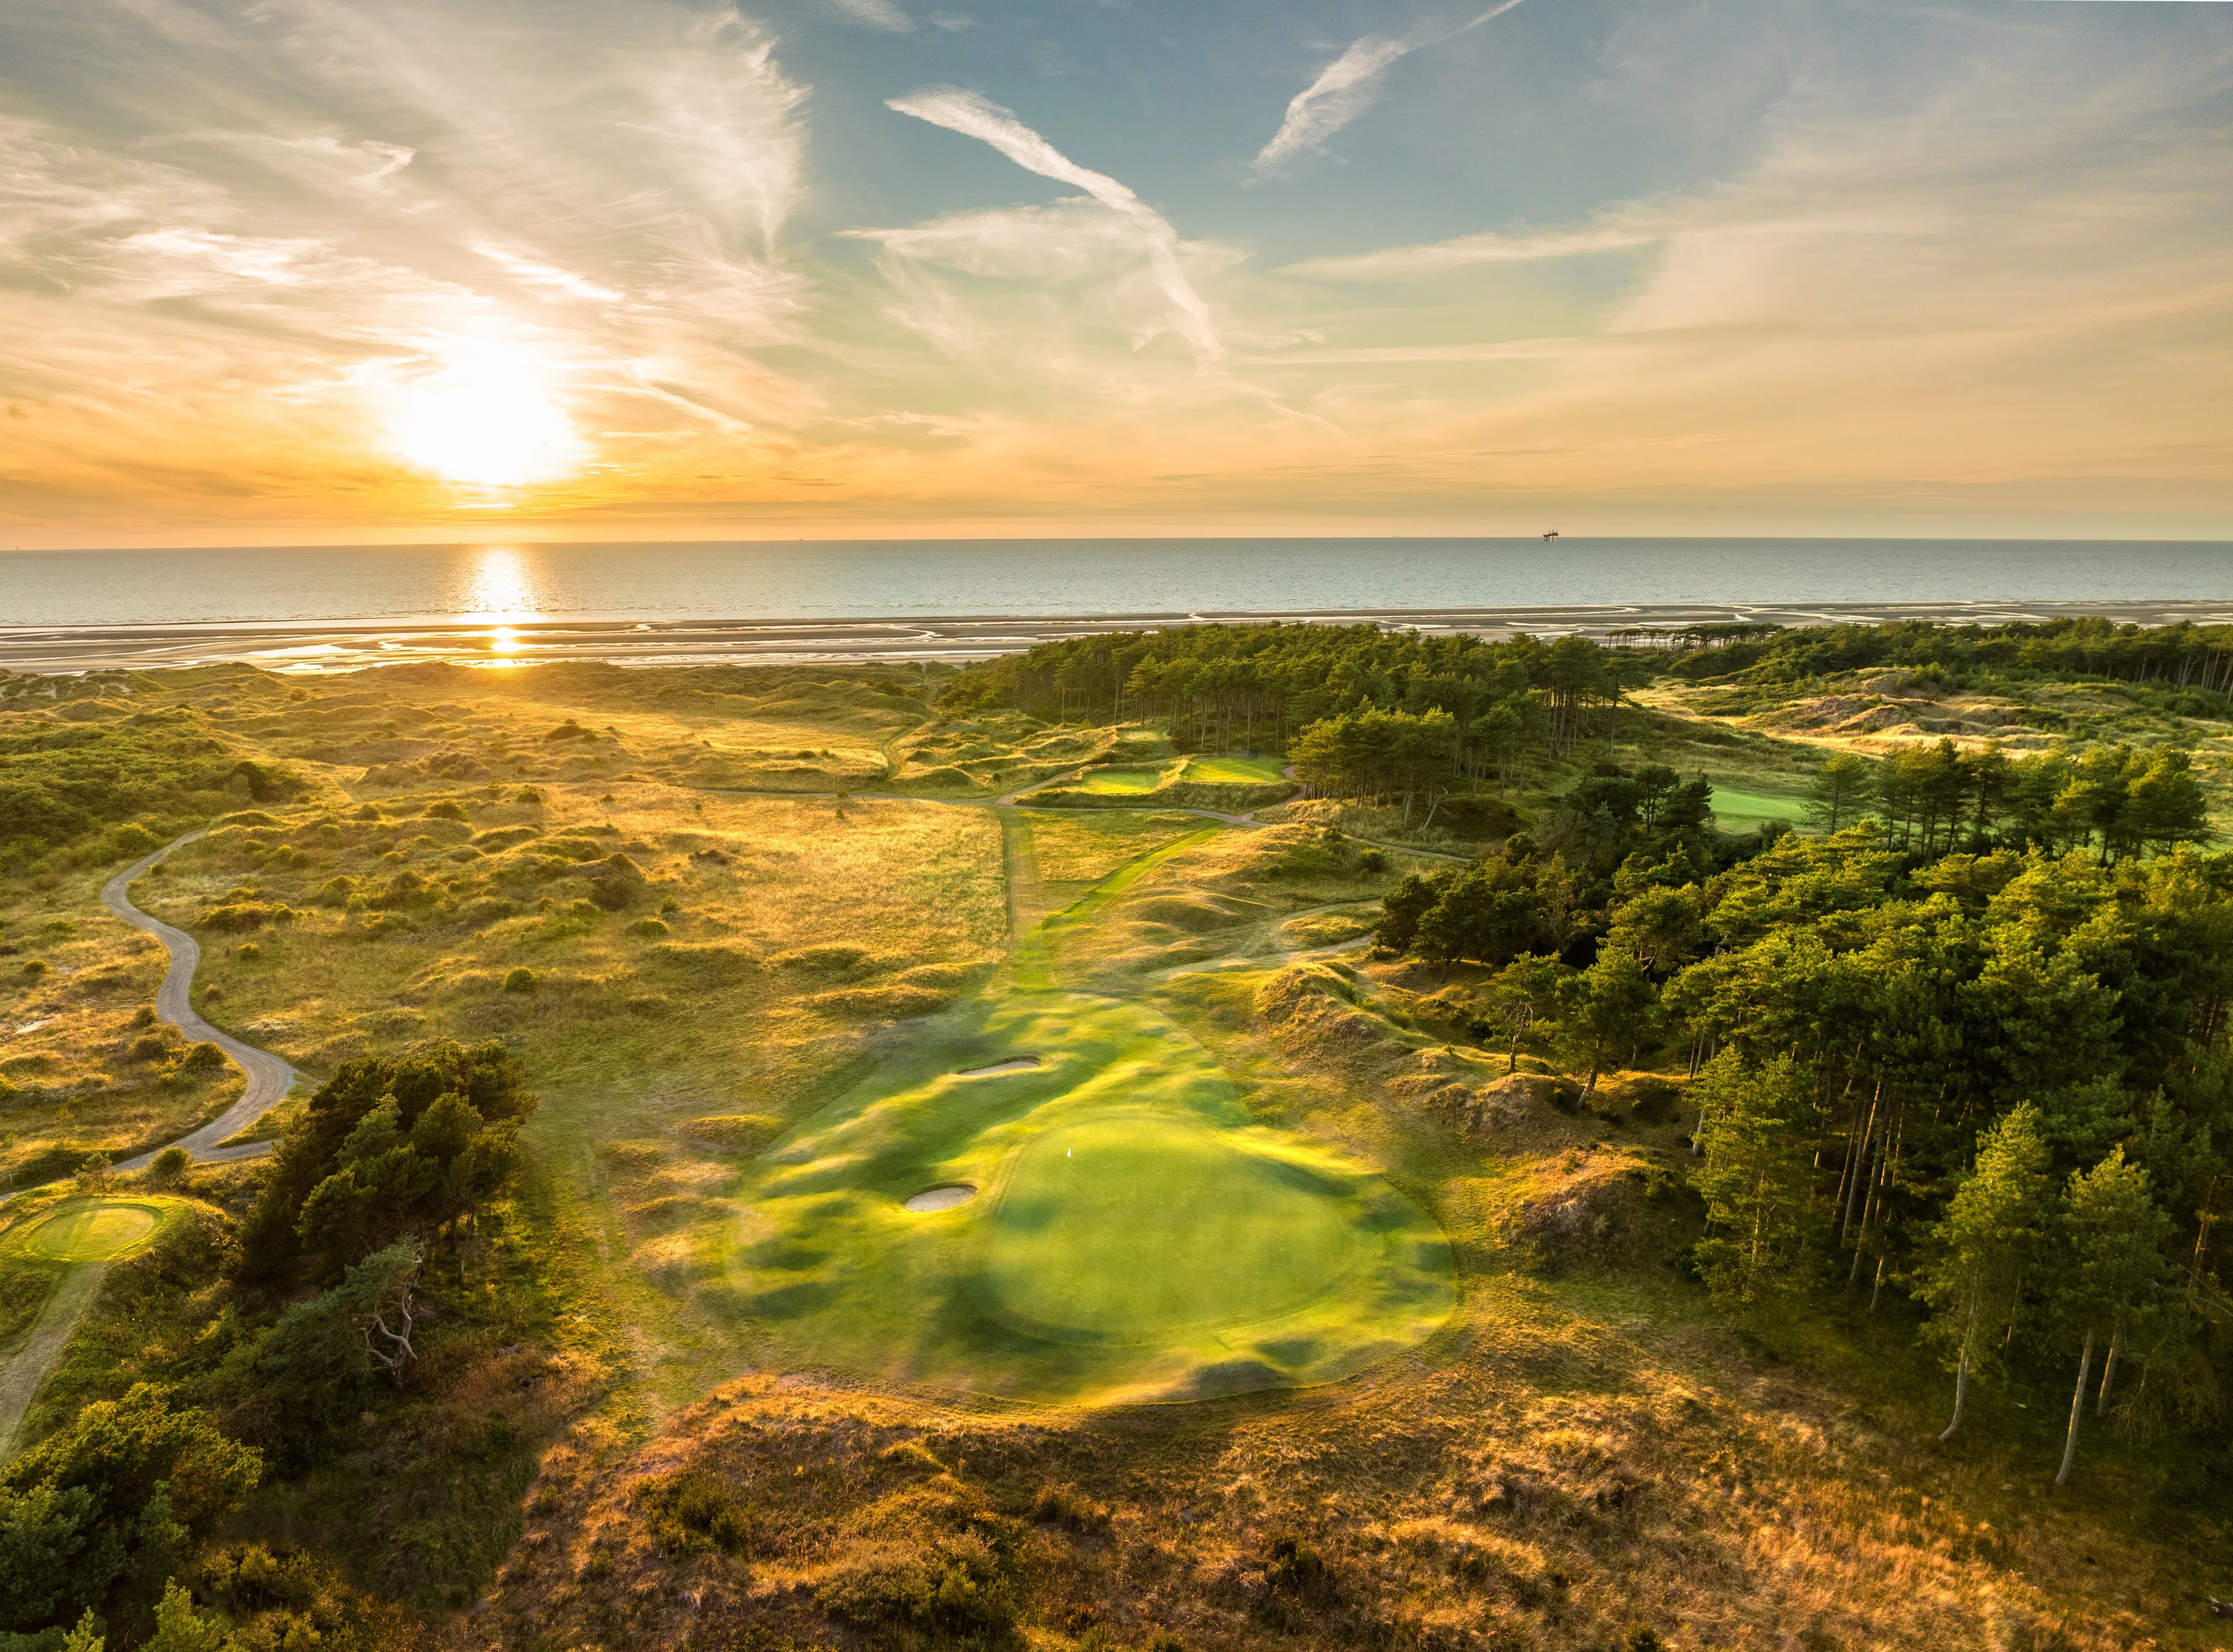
325 607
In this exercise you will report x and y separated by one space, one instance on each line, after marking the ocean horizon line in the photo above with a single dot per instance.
499 640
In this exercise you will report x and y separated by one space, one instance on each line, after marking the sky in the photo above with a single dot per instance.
310 271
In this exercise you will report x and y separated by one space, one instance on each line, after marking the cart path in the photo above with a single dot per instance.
269 1078
26 1373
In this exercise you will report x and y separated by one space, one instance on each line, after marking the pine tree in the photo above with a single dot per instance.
1842 792
1608 1011
1995 1229
1523 993
1756 1178
2114 1277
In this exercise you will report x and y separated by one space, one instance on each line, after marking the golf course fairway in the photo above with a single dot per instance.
1135 1234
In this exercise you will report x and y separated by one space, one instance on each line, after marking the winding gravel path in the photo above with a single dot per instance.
269 1078
269 1081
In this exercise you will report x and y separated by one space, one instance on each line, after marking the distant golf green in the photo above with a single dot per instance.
1120 782
1744 811
1232 771
1136 1235
96 1231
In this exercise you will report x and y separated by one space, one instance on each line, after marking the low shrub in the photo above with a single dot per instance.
1292 1567
521 979
691 1511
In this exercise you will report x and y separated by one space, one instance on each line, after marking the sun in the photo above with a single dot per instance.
490 420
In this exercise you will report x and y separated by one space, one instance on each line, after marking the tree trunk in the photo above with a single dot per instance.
1961 1390
1861 1166
1879 1291
2077 1410
2108 1374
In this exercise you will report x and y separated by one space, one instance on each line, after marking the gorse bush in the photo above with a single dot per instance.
1365 713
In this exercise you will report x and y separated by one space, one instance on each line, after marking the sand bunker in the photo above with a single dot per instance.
944 1198
1015 1064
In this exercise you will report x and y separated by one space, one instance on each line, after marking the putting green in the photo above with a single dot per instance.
1127 1227
1136 1235
1737 810
96 1231
1120 782
1234 771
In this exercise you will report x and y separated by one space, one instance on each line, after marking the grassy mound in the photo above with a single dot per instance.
1137 1236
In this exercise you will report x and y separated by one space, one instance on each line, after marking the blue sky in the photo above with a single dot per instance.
390 268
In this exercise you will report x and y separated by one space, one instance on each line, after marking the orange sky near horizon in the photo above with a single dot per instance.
314 274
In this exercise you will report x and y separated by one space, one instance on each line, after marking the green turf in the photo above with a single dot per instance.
1135 1234
1232 771
96 1231
1124 782
1741 811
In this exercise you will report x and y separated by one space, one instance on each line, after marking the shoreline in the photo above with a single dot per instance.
308 648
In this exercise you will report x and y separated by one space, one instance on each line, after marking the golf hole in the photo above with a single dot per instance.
1014 1065
945 1197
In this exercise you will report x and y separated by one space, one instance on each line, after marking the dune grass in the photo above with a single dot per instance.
1135 1234
1078 849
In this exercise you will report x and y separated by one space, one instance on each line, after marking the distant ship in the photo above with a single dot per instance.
1553 534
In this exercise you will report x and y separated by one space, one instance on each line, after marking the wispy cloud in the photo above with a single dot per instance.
976 116
258 281
1440 258
1350 85
876 14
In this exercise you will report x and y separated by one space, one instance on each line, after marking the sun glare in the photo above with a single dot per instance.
489 420
501 594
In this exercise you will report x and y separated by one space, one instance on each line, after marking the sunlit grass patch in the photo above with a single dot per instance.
1737 810
94 1230
1121 782
1235 771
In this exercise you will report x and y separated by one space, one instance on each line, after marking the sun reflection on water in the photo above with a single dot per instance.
501 592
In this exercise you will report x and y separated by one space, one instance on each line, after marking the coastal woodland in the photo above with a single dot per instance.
1728 1130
